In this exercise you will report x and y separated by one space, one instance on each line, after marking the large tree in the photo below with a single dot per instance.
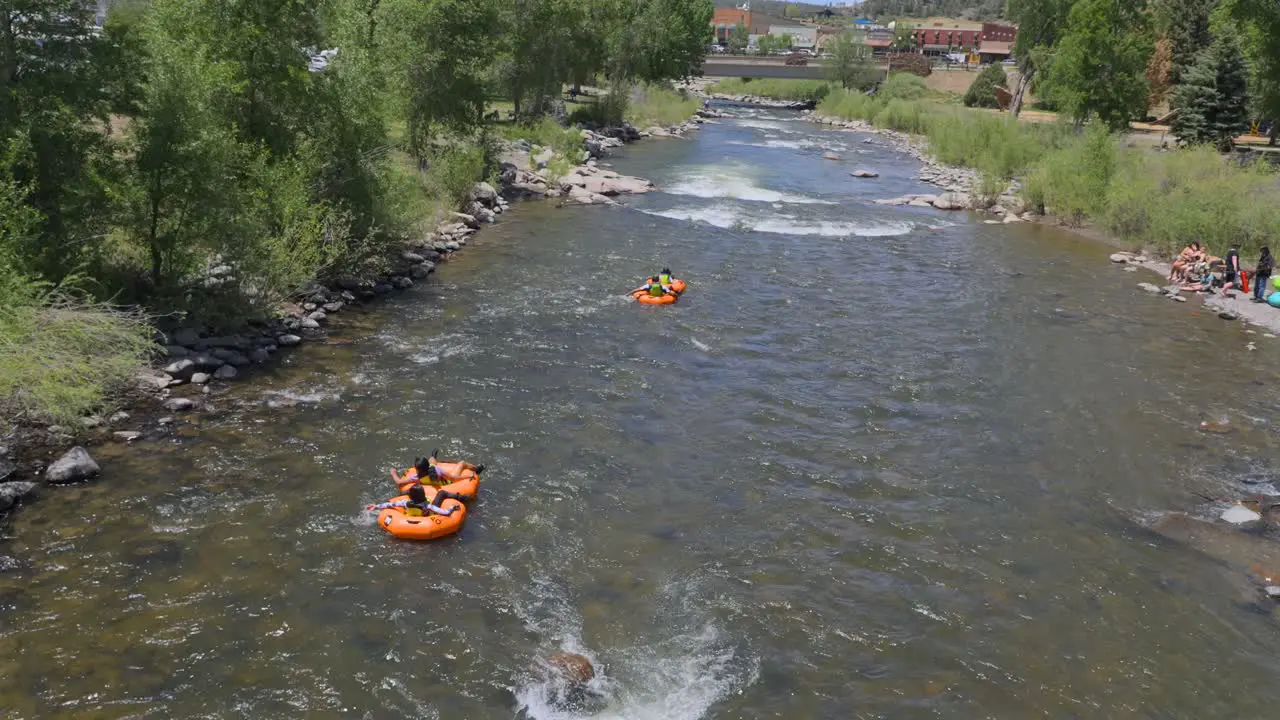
52 144
1185 26
1212 100
1259 22
850 62
1099 66
1040 24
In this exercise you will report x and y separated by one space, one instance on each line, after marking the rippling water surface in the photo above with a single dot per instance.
878 462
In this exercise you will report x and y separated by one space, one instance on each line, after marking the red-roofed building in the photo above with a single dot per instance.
725 19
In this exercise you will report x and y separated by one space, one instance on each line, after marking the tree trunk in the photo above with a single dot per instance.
1274 133
156 254
1024 81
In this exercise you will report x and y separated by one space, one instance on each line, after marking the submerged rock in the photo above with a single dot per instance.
77 464
865 174
179 404
1150 288
12 492
1120 257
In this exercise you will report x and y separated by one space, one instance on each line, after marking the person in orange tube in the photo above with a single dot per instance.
654 287
417 505
428 470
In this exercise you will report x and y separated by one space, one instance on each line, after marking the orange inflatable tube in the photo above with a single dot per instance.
678 285
644 297
424 527
461 481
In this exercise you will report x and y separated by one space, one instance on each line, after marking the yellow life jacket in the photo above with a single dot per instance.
411 511
655 289
664 279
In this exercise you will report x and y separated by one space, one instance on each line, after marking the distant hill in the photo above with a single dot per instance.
780 9
959 9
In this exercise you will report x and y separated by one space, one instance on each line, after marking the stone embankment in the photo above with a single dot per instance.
195 359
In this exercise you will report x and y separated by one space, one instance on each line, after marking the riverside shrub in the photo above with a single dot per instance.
982 92
776 88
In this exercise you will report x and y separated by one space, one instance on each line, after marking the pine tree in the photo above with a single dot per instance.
1212 101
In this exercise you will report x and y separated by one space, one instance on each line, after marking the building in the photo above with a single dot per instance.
943 36
997 42
803 37
725 20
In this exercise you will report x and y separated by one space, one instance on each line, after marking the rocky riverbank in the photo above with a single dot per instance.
194 360
961 190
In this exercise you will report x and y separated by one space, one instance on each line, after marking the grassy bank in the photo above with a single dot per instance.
1160 200
776 88
650 105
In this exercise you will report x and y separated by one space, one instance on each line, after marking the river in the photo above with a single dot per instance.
878 462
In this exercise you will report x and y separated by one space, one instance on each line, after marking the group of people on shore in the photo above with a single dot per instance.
1196 270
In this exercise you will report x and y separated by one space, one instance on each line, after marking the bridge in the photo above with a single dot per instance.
761 67
746 66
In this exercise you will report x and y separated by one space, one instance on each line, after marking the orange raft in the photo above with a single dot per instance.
461 481
423 527
644 297
678 285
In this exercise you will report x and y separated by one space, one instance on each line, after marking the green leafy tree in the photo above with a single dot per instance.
1040 25
1212 100
982 92
185 161
850 62
539 46
1259 25
904 37
1099 67
739 36
770 43
440 52
52 112
123 57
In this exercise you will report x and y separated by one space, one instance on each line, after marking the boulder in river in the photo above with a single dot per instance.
75 465
865 174
200 378
1120 257
828 155
288 340
951 201
126 435
181 369
7 469
226 372
1150 288
1239 515
571 667
179 404
12 492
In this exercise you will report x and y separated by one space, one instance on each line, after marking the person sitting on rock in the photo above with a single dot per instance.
1186 260
416 505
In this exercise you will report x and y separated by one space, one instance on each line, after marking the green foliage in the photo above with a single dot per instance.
769 43
902 86
1099 66
454 169
1212 100
904 36
982 93
545 133
850 62
441 52
1259 27
539 50
656 105
738 38
123 56
1075 178
1185 25
777 88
